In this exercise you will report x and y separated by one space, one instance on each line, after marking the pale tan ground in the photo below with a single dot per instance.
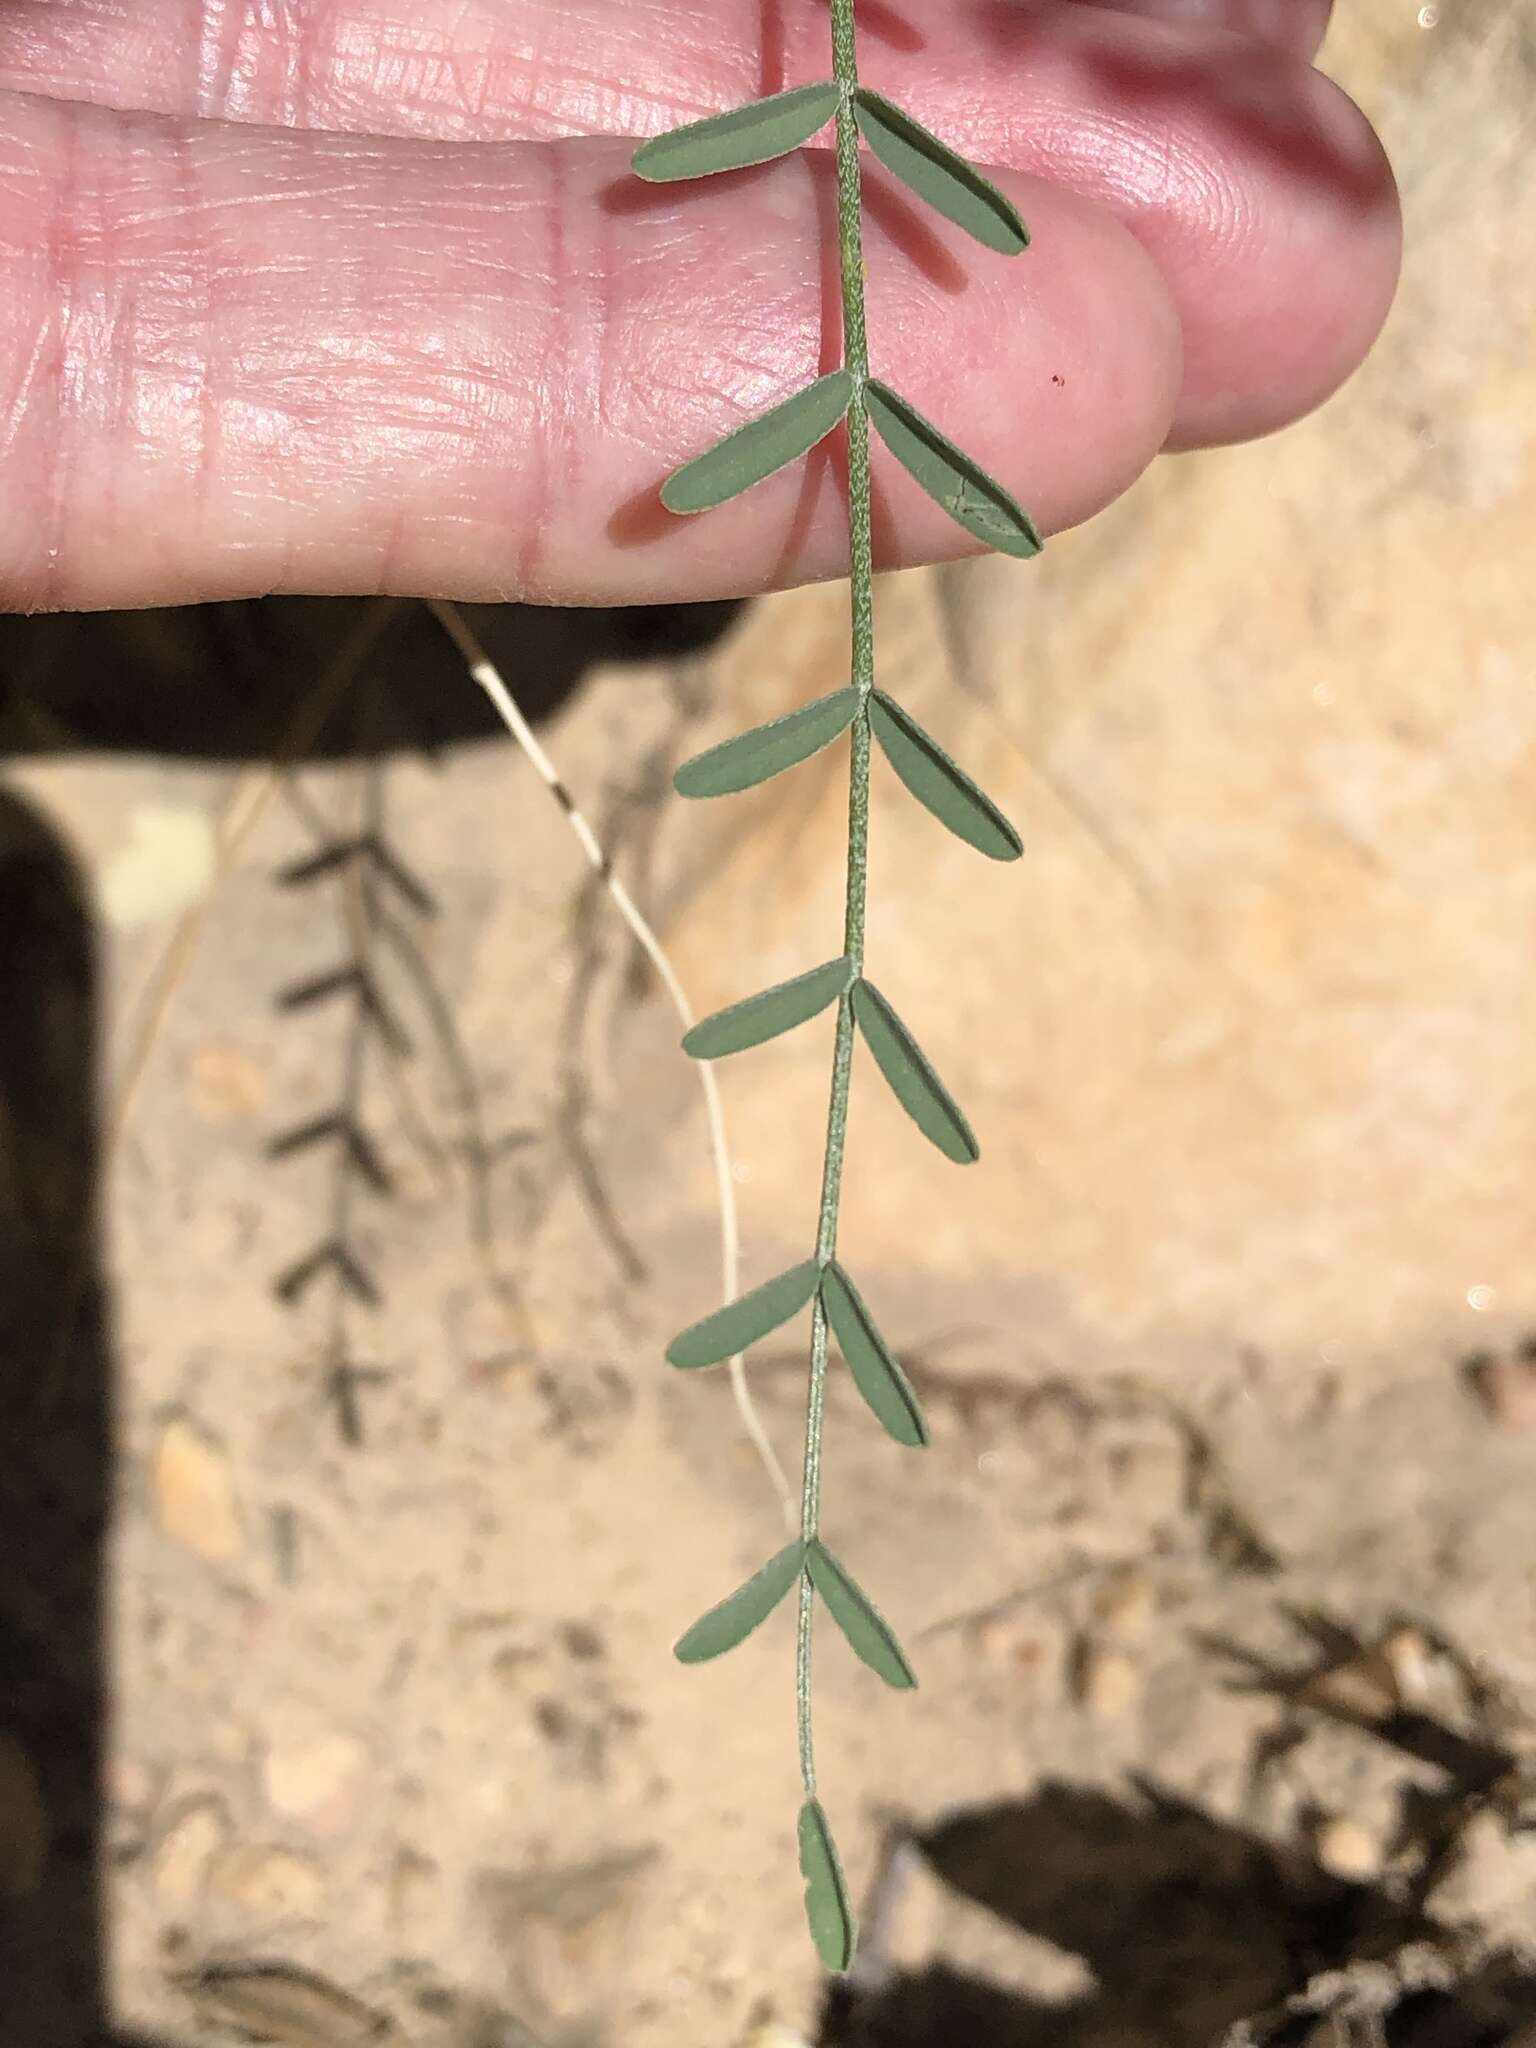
1248 1038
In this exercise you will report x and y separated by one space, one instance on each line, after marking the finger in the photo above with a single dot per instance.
1297 26
237 361
1255 184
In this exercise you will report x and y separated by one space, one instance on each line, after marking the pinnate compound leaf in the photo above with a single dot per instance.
760 447
940 783
876 1373
913 1081
767 750
753 134
869 1633
973 499
761 1017
736 1617
827 1907
745 1320
937 174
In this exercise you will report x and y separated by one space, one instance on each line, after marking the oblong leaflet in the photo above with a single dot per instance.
939 175
972 499
756 1019
876 1372
869 1634
939 783
744 1321
827 1905
753 134
767 750
763 445
912 1078
735 1617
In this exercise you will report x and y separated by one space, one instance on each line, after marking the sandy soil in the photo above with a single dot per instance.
348 1512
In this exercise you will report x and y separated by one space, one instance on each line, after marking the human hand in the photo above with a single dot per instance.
339 296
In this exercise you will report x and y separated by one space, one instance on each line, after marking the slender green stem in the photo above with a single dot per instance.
861 582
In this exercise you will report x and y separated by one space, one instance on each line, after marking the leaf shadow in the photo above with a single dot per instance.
1186 1924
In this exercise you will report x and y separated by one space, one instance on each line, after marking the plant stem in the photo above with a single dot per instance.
510 712
861 585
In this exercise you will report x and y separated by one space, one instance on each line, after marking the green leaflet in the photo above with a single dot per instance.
827 1908
736 1617
753 134
869 1634
933 171
875 1371
767 750
913 1081
761 1017
973 499
745 1320
760 447
937 781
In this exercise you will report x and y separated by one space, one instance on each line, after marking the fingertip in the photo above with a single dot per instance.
1304 272
1059 369
1106 362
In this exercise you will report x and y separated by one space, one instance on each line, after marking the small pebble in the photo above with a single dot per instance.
1029 1648
1347 1849
194 1494
315 1774
194 1832
225 1084
270 1884
1108 1682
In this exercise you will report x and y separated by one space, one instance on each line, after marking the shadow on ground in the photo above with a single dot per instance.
236 681
1187 1925
55 1448
225 681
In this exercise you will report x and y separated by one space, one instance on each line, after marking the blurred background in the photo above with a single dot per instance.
350 1183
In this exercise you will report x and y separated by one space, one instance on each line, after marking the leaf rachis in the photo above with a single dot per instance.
850 397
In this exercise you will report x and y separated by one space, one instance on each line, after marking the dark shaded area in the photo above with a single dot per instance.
1187 1924
232 681
55 1446
1194 1929
226 682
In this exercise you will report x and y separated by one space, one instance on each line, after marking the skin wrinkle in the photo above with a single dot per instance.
532 518
61 285
204 373
218 47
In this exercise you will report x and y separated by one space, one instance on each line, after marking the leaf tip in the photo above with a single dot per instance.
827 1909
669 495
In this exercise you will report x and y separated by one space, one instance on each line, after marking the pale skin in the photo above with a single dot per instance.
344 296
